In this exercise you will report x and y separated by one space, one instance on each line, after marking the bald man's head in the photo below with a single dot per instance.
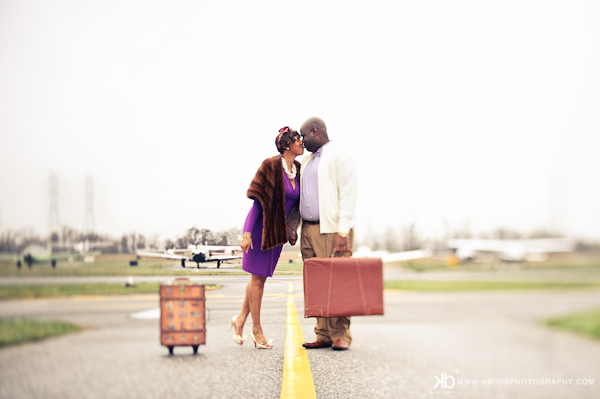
314 133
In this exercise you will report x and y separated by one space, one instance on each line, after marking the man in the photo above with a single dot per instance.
327 202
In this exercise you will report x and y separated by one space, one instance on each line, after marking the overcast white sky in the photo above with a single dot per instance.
463 113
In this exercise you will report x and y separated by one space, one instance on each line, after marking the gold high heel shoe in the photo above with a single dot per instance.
237 338
262 344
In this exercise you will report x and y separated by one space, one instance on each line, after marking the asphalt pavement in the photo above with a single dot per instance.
426 344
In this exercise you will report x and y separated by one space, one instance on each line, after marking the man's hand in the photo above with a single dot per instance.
293 240
341 245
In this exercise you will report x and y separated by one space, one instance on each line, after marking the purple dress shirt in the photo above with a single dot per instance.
309 204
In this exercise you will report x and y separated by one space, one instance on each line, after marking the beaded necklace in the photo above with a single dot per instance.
291 175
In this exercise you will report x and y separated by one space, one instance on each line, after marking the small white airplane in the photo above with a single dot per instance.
532 250
365 252
196 253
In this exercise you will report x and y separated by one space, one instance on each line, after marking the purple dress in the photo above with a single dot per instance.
257 261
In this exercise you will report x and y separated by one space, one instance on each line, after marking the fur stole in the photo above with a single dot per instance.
268 187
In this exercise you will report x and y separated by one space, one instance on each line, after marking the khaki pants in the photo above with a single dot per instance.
313 244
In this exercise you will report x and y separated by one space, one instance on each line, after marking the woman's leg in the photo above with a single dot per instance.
255 293
241 319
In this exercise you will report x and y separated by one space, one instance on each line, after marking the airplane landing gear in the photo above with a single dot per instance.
182 262
19 264
53 262
218 264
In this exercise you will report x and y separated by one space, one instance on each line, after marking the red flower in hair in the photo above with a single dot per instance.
281 133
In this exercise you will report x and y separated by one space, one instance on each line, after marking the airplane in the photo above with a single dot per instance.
532 250
37 254
365 252
195 253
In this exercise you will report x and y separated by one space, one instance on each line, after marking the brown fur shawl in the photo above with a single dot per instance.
268 187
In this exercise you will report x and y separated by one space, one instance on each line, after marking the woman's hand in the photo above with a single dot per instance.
246 243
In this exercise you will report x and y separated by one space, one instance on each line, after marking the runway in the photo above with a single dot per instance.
493 338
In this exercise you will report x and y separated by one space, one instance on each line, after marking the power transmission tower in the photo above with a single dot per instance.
89 205
53 221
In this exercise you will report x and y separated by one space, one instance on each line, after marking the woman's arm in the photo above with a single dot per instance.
251 219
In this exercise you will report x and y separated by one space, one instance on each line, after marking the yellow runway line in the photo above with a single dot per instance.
297 376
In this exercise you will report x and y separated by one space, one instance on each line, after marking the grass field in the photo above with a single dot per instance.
289 267
484 285
584 323
111 265
570 261
18 331
118 265
50 291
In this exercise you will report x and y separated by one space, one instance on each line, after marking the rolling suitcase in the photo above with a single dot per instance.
182 315
335 287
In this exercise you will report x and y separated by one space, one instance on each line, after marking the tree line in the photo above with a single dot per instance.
65 240
405 238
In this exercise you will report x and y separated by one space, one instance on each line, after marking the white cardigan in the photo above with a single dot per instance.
338 188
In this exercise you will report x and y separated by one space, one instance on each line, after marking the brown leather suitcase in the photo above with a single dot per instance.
182 315
335 287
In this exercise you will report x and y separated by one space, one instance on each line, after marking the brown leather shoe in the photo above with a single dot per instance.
340 345
319 343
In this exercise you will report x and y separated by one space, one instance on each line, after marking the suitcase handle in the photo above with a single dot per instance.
182 279
341 254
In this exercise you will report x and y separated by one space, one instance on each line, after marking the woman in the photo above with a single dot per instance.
271 222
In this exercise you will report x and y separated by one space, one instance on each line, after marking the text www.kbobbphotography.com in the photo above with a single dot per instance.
449 381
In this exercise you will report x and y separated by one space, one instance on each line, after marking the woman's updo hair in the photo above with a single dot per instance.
285 138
